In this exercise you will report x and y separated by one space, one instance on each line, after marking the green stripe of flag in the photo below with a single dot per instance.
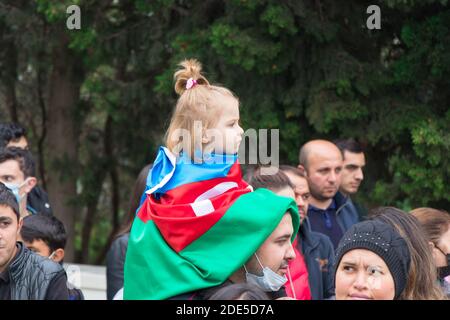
154 271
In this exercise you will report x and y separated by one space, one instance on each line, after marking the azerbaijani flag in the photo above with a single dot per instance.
198 224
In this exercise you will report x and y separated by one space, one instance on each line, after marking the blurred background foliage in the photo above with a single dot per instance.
97 101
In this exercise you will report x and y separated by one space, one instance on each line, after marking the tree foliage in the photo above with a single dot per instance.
310 68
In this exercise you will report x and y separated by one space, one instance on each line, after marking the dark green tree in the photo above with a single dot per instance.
97 101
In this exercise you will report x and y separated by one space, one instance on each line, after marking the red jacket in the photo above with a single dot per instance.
297 285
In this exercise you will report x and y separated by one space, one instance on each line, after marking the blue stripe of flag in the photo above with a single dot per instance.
215 166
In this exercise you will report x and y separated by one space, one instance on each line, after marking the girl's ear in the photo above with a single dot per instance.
434 250
206 138
431 245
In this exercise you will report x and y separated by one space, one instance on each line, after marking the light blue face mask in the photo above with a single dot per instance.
269 281
52 255
15 189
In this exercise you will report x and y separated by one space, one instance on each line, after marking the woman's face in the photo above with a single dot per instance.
363 275
442 249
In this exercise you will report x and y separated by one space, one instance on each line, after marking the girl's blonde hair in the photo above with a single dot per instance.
201 103
422 281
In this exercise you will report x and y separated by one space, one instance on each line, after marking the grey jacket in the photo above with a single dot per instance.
30 275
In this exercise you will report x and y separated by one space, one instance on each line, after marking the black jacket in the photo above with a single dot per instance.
207 293
75 293
318 253
37 202
33 277
346 213
115 260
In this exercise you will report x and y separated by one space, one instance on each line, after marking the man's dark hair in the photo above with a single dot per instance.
10 131
23 157
273 182
46 228
8 199
350 145
294 170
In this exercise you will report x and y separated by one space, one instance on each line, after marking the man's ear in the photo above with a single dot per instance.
303 170
19 227
58 255
31 183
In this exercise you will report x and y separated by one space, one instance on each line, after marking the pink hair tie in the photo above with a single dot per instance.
190 83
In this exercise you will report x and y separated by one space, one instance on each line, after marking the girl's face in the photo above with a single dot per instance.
226 136
363 275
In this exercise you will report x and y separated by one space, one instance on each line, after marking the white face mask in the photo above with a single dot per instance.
269 281
15 189
52 255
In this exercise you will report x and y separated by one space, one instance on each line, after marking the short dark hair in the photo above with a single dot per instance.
46 228
350 145
274 182
8 199
23 157
242 291
10 131
292 169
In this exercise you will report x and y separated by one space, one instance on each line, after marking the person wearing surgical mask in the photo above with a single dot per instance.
436 224
15 135
309 276
17 173
46 236
268 267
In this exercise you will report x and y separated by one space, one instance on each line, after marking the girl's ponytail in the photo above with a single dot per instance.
198 101
190 69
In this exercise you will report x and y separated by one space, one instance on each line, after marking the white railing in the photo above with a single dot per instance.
90 279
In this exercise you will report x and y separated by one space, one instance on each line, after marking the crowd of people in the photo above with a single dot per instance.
199 229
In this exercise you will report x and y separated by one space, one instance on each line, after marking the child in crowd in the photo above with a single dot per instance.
195 178
46 236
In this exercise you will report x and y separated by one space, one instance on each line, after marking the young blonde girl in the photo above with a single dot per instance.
206 117
202 140
185 199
